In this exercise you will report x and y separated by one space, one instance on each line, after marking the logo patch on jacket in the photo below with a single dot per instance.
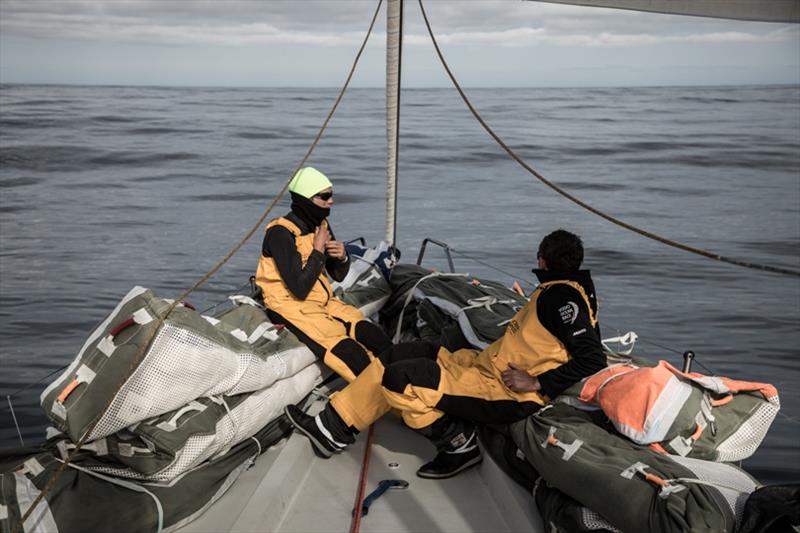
568 313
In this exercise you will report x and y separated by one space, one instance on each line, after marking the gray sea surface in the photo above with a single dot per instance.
104 188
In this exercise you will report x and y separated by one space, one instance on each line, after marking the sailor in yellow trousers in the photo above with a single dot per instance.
551 343
297 251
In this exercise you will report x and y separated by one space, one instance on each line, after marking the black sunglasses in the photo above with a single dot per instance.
324 196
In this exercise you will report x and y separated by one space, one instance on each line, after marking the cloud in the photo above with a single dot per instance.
182 22
125 30
343 23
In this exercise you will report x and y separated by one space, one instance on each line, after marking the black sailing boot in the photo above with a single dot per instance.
327 432
457 444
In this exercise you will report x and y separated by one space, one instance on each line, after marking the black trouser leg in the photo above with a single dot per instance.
408 350
338 428
371 336
486 411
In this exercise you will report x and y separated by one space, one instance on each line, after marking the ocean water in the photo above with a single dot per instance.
104 188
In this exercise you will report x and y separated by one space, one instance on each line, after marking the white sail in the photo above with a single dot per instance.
755 10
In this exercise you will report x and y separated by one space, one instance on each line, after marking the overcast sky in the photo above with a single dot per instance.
501 43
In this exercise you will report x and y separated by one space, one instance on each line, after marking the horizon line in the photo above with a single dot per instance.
422 87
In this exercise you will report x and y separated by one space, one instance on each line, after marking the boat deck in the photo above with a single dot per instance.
289 489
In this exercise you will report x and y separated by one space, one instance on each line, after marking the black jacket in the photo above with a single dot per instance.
562 311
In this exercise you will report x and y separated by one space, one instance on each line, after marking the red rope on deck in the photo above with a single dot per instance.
362 483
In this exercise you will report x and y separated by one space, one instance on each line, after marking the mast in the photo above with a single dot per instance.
394 44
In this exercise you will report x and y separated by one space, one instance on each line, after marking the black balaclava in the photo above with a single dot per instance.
310 213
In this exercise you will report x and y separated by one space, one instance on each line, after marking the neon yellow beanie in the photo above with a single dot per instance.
309 181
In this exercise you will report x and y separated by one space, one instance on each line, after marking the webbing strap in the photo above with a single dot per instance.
410 296
486 302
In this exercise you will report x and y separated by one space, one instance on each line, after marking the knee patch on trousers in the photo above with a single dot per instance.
352 354
420 372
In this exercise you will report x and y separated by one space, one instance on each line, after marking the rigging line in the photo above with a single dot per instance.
37 382
16 424
708 370
484 263
789 418
237 291
667 348
146 345
568 196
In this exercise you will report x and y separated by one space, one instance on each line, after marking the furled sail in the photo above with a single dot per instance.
755 10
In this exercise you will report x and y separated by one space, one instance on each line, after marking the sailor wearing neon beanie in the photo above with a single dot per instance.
297 251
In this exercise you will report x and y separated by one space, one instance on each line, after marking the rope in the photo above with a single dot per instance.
667 348
568 196
145 345
355 526
14 416
489 265
237 291
28 386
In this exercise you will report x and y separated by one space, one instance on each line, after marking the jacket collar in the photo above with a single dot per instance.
304 226
582 277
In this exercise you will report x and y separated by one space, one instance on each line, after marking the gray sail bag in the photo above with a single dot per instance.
630 486
82 500
164 447
185 357
425 304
